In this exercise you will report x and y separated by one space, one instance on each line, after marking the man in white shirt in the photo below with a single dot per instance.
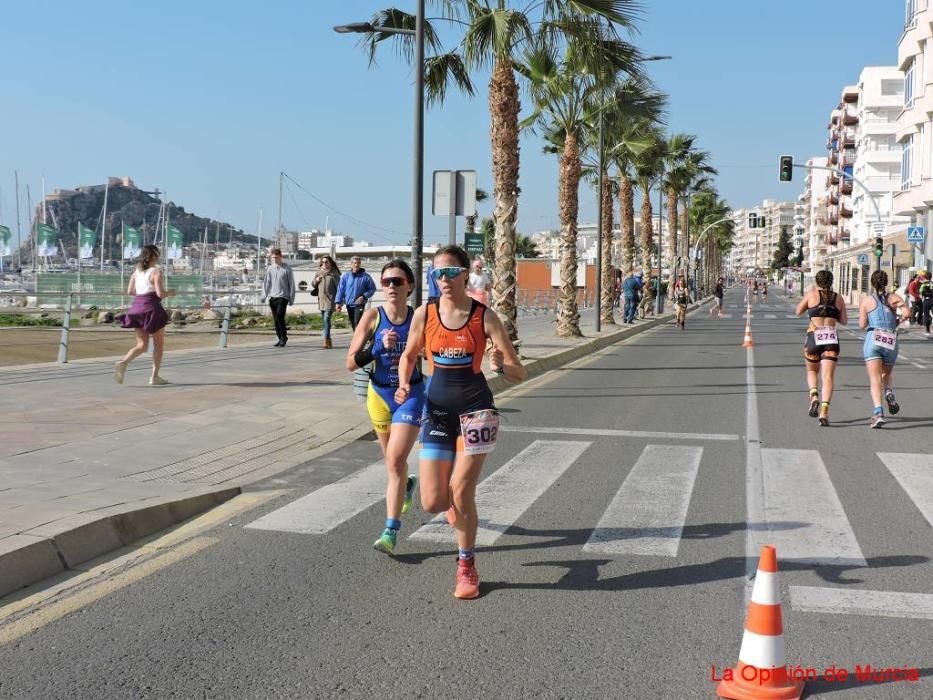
479 284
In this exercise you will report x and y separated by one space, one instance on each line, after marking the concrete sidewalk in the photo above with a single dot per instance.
87 465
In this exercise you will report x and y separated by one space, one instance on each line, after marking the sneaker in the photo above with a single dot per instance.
467 580
387 541
452 517
877 420
814 407
119 372
409 492
893 406
158 381
824 414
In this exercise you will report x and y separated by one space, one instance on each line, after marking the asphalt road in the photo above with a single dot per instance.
624 508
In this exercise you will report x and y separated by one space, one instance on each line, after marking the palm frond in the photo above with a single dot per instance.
442 70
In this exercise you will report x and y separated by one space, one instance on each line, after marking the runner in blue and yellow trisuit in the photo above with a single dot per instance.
396 423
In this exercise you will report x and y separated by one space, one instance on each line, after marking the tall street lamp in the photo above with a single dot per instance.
599 209
417 203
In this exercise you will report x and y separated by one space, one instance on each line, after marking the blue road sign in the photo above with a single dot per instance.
862 259
916 234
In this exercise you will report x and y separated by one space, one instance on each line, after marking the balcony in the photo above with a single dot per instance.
833 199
833 158
845 237
833 179
850 95
845 213
846 187
833 240
848 141
850 119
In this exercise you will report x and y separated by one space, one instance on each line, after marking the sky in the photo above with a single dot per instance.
210 100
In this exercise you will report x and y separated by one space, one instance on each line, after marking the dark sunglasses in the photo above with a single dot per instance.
448 272
393 281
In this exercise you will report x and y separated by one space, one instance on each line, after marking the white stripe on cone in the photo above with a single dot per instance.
762 651
767 589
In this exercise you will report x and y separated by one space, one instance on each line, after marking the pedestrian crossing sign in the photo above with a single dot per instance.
916 234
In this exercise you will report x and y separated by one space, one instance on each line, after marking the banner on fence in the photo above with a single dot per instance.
46 240
132 243
175 241
87 239
5 235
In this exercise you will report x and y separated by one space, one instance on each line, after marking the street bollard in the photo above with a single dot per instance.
66 326
224 329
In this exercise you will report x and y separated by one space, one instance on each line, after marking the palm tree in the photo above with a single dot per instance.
707 208
470 224
563 96
494 33
649 166
685 165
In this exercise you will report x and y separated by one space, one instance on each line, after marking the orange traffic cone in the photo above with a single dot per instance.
761 673
748 343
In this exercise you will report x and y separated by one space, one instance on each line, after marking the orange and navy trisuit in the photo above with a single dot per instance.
457 384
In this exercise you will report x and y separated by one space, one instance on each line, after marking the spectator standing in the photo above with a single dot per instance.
631 289
479 284
913 297
356 287
278 286
325 282
434 291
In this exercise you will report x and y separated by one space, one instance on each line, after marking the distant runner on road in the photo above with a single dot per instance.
718 294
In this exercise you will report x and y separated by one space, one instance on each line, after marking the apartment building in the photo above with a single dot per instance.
811 217
914 128
755 247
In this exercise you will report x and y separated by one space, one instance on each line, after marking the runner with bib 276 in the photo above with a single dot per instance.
826 309
880 313
461 422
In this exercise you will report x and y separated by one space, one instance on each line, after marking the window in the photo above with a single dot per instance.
906 162
891 87
911 11
864 285
909 86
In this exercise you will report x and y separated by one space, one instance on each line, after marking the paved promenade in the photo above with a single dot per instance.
87 466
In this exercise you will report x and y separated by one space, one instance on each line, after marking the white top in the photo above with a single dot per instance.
143 279
478 282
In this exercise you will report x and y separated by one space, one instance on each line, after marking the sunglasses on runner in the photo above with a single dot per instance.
393 281
448 272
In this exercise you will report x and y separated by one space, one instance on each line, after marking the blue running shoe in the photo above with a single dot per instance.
409 492
387 541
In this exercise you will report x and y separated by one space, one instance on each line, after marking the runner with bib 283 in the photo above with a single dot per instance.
461 422
826 309
880 313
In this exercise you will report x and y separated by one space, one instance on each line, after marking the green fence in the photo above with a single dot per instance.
109 291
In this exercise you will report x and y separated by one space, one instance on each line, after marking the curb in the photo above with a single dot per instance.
50 549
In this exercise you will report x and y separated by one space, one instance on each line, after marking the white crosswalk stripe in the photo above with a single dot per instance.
328 507
803 516
502 497
915 475
648 512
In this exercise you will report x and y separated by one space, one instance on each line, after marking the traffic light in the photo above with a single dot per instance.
879 247
786 171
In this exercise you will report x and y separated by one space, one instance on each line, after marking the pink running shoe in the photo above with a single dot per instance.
467 580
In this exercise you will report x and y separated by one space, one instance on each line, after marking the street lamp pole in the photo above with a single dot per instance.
417 203
599 232
657 300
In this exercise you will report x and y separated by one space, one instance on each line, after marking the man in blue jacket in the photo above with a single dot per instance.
631 288
355 289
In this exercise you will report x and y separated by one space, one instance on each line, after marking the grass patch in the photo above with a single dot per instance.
26 320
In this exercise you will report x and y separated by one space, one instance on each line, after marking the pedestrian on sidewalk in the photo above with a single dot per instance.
631 288
479 285
913 297
926 299
355 289
880 313
396 422
146 314
325 282
278 287
461 422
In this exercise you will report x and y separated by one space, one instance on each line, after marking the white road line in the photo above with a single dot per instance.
919 366
771 316
849 601
754 479
596 432
648 512
502 497
328 507
791 316
803 516
914 472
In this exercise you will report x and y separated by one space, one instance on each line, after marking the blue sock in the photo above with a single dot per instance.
466 554
877 410
394 524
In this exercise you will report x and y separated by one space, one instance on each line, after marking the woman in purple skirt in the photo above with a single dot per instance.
146 314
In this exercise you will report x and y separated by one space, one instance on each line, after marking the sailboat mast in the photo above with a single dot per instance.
281 180
32 228
19 234
103 226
